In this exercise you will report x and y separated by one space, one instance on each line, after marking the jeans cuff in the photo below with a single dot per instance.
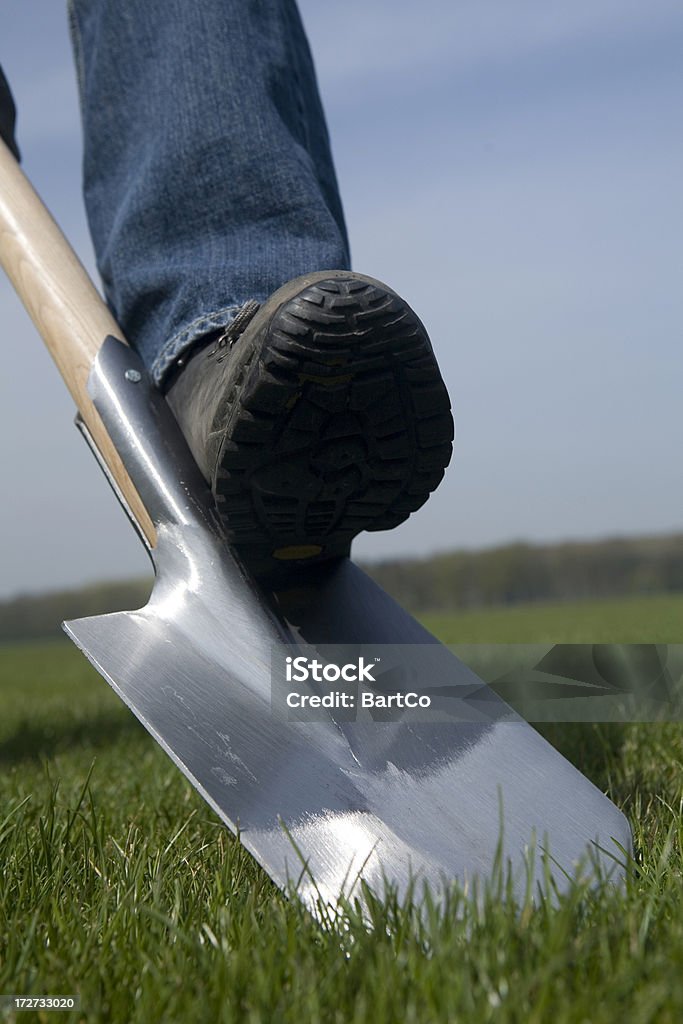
188 336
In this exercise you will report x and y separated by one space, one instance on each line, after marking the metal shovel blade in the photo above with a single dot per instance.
319 804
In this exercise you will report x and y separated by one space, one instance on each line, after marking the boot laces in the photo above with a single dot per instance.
234 330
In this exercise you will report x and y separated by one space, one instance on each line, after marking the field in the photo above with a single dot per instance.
119 884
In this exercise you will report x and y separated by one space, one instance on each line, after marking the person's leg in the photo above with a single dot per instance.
8 115
319 411
207 172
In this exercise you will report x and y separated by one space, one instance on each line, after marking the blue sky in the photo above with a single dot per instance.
513 168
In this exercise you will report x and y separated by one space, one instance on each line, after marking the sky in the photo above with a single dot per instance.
513 168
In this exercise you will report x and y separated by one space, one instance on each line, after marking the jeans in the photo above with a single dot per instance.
208 177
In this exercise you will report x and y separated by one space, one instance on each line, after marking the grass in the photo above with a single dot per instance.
118 883
651 620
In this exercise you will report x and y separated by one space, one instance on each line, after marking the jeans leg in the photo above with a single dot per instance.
8 115
208 177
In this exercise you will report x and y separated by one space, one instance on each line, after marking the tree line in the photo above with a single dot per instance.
521 572
505 575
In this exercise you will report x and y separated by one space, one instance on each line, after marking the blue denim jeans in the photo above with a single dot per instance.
208 177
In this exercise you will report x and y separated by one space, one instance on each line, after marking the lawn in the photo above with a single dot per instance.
647 620
119 884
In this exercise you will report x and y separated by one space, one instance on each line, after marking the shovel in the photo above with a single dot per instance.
328 797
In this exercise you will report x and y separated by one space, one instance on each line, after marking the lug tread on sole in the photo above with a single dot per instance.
343 424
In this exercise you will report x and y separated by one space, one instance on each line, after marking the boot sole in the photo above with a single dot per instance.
339 422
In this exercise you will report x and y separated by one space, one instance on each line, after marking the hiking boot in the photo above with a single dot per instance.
315 416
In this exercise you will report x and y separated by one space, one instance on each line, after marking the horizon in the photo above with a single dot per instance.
370 564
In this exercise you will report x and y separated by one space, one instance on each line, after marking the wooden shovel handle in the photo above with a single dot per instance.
60 298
